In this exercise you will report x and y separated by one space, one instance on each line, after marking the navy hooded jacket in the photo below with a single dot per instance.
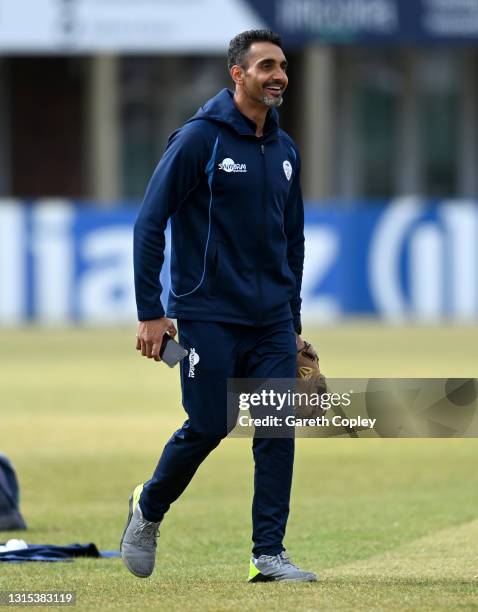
237 222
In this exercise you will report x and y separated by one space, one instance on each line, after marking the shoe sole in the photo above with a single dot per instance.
298 580
262 578
128 521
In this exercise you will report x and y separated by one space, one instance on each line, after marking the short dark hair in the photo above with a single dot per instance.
241 43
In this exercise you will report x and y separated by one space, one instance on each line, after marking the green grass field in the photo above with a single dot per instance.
388 524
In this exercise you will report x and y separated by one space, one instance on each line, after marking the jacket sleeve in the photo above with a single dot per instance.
294 230
177 174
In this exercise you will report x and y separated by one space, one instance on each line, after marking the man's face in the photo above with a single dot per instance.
264 74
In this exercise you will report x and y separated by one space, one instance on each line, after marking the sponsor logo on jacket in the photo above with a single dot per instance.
229 165
193 361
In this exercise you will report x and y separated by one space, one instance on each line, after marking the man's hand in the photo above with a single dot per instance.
299 342
150 336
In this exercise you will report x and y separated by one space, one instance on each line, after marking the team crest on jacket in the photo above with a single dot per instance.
287 169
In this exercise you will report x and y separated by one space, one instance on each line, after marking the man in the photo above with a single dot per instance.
229 181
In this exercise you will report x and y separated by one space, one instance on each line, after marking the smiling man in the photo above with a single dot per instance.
230 182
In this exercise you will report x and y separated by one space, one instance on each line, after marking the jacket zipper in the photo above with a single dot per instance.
263 237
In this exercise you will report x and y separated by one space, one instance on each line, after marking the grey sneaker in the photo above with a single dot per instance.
277 567
138 544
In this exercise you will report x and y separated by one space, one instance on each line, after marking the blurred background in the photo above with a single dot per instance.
382 102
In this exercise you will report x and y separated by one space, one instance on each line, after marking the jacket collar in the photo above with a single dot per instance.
221 109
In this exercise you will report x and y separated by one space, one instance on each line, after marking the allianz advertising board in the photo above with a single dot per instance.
408 259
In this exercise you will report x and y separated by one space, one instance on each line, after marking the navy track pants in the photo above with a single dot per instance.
222 351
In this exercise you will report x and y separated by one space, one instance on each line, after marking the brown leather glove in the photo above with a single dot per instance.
312 381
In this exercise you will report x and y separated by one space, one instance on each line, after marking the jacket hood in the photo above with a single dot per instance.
221 108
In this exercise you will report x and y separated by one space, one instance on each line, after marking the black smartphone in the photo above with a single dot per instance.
171 352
